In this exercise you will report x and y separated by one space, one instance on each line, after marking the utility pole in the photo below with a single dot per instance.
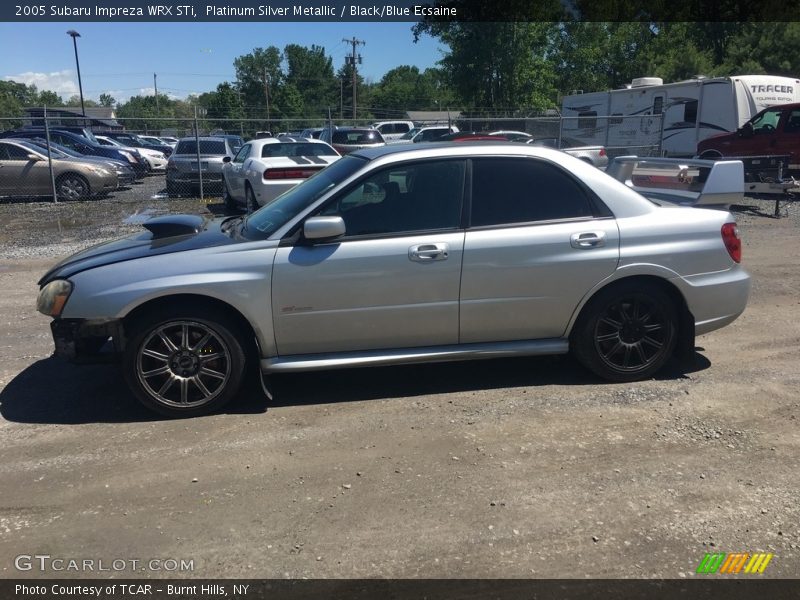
266 93
354 60
155 87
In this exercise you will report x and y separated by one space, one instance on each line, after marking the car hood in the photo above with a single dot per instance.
163 235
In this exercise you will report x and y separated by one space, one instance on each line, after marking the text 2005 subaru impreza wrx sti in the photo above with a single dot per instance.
397 255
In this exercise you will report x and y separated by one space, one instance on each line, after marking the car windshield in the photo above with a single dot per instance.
410 134
55 149
296 149
357 136
269 218
206 147
126 140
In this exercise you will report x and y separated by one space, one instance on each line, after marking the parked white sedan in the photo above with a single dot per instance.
265 168
156 161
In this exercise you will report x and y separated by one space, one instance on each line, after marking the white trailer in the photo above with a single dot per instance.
629 120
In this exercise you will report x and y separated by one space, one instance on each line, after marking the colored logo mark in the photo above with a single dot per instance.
735 562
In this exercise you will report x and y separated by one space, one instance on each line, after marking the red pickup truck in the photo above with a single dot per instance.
773 131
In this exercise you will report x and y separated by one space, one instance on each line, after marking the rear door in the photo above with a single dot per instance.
537 242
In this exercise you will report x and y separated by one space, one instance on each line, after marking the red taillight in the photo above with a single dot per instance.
733 244
602 152
289 173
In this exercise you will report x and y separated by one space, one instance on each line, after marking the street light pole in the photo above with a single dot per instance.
74 35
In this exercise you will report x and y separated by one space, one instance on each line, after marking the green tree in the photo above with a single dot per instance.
250 76
310 72
401 89
498 66
750 51
48 98
75 101
363 94
222 104
107 100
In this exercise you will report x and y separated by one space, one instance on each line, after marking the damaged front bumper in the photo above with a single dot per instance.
88 341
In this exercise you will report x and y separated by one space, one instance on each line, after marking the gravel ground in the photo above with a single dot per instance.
504 468
70 226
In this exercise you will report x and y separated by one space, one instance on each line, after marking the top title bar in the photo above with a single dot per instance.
398 10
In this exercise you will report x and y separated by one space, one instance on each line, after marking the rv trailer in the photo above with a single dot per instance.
649 117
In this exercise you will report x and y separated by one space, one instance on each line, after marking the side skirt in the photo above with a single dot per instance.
377 358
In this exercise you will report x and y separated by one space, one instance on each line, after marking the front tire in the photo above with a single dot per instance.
227 199
184 362
711 155
72 187
627 332
252 203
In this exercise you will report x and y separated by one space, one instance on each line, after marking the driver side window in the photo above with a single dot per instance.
767 122
403 198
241 156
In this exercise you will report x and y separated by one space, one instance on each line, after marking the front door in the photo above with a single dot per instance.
392 281
235 175
20 175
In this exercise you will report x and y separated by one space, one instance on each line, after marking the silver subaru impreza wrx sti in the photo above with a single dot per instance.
397 255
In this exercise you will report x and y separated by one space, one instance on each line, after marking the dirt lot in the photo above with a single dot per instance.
507 468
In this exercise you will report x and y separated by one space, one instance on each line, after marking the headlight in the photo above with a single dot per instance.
100 171
129 156
53 297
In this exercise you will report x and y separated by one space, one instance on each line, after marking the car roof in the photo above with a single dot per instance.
286 140
203 138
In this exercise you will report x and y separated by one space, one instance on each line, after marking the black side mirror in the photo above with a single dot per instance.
226 159
746 131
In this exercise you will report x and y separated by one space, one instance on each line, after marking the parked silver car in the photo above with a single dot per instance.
594 155
184 168
402 254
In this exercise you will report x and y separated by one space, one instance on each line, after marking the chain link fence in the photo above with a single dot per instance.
63 156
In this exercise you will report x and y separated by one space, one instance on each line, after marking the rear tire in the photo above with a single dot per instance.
627 332
184 362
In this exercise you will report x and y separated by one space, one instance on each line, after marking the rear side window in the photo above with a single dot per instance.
206 147
507 191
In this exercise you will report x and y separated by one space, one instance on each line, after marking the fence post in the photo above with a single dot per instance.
50 158
197 147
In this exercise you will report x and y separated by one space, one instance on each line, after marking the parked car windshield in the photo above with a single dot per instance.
270 217
410 134
206 147
295 149
357 136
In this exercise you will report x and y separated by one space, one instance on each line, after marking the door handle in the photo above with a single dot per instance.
428 252
587 240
